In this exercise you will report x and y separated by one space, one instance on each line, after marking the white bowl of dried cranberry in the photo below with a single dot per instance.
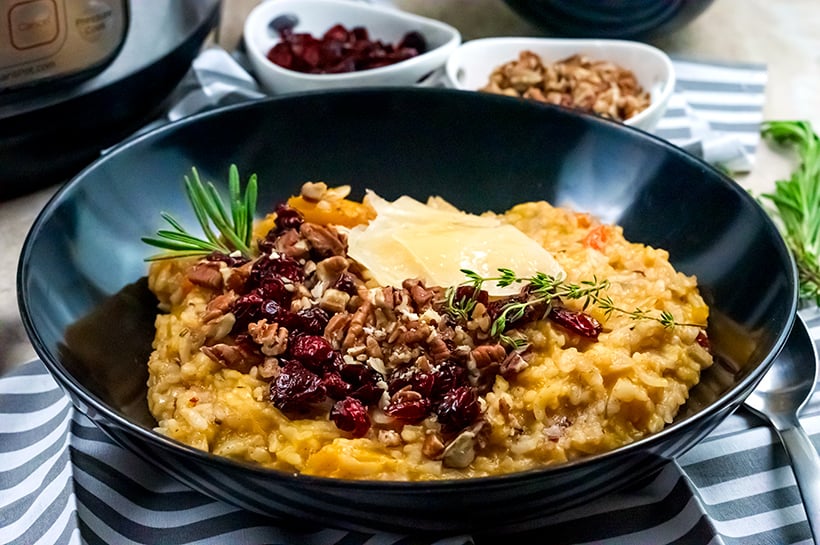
303 45
628 81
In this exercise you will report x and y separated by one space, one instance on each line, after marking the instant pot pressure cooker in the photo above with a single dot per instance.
77 76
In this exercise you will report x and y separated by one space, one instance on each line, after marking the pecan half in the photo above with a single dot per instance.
232 356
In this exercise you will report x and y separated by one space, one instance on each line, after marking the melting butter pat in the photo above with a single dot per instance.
410 239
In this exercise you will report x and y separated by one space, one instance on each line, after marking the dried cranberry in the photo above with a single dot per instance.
346 283
703 340
360 34
577 322
274 312
272 288
465 293
341 50
417 380
245 342
448 376
312 320
342 67
368 392
410 411
535 310
335 385
363 381
313 351
414 40
267 245
247 308
229 260
458 408
336 33
312 55
332 52
296 389
279 267
281 54
350 415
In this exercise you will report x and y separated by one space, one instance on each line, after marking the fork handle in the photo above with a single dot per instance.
806 466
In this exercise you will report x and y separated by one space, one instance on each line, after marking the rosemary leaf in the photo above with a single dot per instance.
796 201
223 231
198 199
250 205
174 237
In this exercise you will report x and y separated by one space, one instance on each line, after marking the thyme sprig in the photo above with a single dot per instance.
796 201
543 290
227 228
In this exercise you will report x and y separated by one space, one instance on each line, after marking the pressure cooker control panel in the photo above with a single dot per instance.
46 40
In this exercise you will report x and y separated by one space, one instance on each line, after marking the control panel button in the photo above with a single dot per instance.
97 21
33 23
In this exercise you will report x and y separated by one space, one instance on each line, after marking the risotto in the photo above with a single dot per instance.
343 349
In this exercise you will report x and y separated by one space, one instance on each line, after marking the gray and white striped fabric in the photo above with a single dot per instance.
62 481
716 111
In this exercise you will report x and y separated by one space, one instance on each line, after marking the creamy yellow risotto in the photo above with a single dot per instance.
410 341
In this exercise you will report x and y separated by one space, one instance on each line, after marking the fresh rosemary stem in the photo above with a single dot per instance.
226 230
795 202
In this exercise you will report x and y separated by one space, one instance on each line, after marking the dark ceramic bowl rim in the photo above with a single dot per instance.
150 436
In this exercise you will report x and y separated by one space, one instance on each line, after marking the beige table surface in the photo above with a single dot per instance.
783 34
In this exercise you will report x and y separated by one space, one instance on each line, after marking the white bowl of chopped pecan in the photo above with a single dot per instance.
304 45
626 81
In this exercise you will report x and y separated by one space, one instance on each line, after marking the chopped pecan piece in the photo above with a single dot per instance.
433 446
355 331
237 277
337 327
329 270
420 295
333 300
416 333
232 356
513 364
219 306
486 354
206 274
291 244
324 240
272 338
438 349
268 369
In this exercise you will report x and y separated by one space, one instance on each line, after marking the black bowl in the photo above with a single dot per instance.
85 306
623 19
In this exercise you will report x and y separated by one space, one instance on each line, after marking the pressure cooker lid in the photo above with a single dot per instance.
49 132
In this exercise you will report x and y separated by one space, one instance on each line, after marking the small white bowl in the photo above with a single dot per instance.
317 16
470 66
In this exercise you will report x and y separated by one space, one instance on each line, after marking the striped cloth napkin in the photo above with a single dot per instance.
716 112
62 481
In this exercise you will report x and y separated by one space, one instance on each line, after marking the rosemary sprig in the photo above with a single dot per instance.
543 290
224 231
796 201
